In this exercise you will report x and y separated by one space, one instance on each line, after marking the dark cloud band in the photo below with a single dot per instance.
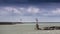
26 1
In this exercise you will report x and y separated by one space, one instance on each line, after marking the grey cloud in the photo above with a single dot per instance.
27 1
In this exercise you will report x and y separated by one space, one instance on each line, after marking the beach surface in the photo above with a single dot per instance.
26 29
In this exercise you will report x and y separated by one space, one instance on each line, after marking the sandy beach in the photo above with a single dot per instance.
26 29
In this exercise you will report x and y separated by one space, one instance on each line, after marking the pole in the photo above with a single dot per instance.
37 26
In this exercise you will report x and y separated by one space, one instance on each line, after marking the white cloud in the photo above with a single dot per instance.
33 10
16 11
7 8
56 11
19 10
22 8
10 9
53 12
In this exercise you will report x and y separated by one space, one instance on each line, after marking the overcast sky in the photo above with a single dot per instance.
28 10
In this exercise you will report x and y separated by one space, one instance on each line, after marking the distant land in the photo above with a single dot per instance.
12 23
42 22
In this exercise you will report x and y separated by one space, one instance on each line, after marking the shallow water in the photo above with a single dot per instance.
27 29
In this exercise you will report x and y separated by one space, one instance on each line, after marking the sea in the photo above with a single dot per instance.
28 28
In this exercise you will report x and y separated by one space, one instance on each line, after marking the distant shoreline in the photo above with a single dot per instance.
10 23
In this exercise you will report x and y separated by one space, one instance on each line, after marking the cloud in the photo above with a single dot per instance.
26 11
26 1
19 10
56 11
11 9
33 10
53 12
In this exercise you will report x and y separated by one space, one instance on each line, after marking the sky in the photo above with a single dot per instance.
29 10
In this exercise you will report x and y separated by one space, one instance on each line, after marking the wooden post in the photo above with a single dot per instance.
37 26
